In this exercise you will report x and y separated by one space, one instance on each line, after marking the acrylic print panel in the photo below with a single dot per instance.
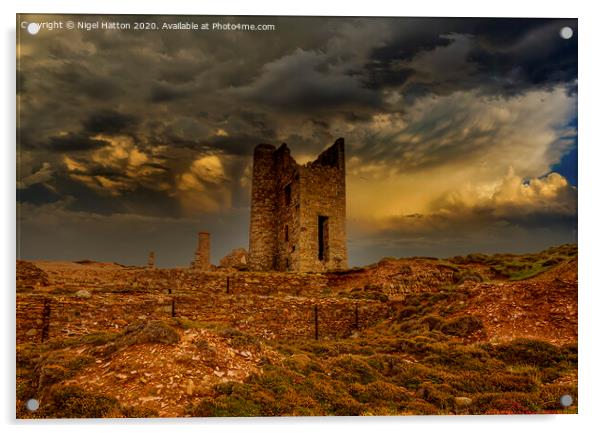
275 216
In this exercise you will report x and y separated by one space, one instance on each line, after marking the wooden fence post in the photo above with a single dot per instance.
46 320
316 321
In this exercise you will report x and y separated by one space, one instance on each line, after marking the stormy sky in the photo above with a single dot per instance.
461 134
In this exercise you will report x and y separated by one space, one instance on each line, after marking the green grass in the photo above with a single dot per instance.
370 292
331 382
519 267
154 331
462 326
74 402
40 368
239 339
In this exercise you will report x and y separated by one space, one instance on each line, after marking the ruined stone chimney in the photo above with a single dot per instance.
151 260
202 254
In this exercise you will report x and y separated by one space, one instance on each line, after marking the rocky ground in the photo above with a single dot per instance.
473 334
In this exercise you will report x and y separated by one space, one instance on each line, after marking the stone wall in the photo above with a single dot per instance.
394 277
323 195
256 314
83 299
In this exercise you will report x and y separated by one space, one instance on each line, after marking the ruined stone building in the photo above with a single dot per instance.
202 254
298 211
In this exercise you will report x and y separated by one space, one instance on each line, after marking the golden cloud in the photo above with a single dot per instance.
204 187
435 150
122 155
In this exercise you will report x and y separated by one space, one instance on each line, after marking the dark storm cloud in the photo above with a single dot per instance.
301 82
508 55
382 75
37 194
86 82
162 92
542 59
82 198
109 122
240 145
100 88
258 121
74 142
178 74
420 35
143 201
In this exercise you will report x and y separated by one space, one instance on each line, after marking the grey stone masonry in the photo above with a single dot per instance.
202 253
298 211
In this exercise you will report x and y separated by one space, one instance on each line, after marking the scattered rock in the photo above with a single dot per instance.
235 259
83 294
462 401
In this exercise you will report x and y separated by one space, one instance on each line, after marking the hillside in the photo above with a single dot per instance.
468 335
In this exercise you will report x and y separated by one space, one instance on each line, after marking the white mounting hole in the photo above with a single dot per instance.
32 404
566 33
33 28
566 400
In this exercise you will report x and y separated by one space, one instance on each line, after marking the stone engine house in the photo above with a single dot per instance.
298 211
